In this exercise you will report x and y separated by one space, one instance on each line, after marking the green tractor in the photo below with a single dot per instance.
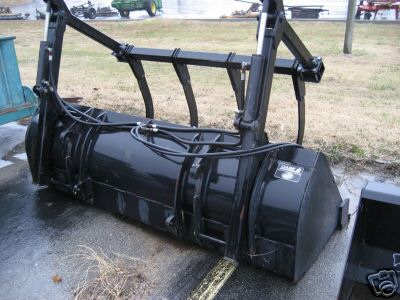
126 6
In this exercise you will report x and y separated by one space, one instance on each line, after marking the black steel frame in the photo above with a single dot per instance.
252 105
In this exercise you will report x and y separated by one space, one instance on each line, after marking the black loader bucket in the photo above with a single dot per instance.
373 263
272 204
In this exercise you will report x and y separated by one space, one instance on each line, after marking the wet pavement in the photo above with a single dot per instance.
41 232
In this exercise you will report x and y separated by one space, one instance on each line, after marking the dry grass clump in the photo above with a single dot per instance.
116 276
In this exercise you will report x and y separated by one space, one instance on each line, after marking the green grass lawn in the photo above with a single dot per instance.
353 113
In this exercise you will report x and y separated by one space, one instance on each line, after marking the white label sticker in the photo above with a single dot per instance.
289 172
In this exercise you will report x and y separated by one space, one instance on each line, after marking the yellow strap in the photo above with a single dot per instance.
214 280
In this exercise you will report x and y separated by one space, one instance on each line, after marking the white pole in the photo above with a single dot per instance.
46 22
261 33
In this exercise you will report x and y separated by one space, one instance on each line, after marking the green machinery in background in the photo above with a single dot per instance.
126 6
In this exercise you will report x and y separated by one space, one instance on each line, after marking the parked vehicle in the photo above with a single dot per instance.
126 6
106 12
297 12
367 8
88 11
306 12
85 10
7 14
